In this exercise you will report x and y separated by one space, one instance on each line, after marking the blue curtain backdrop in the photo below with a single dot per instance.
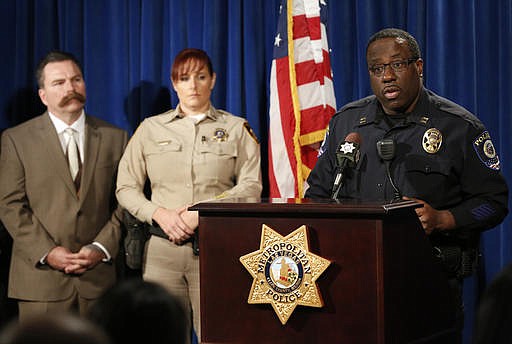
127 46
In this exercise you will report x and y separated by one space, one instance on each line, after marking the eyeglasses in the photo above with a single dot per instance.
396 66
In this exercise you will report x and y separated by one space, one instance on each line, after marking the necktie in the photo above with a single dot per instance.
73 156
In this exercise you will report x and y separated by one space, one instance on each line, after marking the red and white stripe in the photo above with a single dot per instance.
301 99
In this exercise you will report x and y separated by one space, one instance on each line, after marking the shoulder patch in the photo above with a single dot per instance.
486 152
251 132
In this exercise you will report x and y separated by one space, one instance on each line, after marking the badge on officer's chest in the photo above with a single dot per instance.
432 140
220 135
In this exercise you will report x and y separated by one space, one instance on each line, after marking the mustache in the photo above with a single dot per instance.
71 96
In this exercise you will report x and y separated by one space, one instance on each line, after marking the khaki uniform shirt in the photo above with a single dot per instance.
188 162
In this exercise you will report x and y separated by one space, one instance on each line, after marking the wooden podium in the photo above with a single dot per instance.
383 285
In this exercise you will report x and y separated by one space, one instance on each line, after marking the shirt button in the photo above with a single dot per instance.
188 185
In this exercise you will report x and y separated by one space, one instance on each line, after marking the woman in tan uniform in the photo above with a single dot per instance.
189 154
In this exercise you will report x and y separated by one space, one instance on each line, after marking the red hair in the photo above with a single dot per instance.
188 60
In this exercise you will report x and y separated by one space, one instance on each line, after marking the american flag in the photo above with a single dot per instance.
301 95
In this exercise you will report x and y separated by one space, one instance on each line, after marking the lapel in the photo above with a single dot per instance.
91 150
55 155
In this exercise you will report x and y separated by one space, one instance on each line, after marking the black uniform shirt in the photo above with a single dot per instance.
443 155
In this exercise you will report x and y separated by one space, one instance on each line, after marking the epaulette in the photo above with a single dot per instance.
223 115
163 117
223 112
166 113
455 109
358 103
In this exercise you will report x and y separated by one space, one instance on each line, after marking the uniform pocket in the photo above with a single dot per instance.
428 166
221 148
217 160
430 177
161 158
162 147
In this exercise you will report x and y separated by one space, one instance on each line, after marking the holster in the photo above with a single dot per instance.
458 262
134 240
458 251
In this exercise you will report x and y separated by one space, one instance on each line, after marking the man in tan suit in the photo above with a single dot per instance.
57 202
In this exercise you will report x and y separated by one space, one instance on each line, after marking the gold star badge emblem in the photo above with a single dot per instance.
284 272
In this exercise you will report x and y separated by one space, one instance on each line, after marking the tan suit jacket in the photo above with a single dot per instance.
40 207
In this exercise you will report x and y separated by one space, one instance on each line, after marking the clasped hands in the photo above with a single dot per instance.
61 258
432 219
179 224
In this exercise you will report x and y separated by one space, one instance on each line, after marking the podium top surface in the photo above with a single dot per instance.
302 205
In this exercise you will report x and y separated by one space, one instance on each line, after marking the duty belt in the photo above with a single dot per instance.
156 230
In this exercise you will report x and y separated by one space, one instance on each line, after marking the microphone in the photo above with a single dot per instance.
386 151
347 156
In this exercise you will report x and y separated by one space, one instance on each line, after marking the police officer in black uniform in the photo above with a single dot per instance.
417 145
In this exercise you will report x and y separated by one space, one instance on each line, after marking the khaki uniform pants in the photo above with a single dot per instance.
176 268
